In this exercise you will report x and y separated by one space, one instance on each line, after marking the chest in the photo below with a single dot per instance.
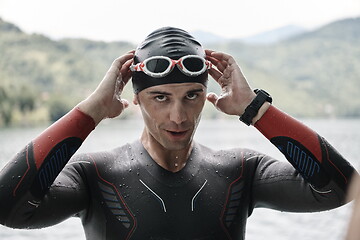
202 205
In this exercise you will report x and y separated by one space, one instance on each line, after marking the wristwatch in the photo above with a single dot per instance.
252 110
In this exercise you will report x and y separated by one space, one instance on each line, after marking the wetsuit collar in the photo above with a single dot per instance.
164 176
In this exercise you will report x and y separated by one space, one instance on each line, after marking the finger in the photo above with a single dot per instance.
126 65
212 97
122 59
118 63
215 74
125 70
221 65
121 74
223 57
208 53
127 77
125 103
228 72
119 86
122 80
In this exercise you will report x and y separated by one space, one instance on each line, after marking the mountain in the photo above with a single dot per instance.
346 30
316 72
311 74
207 37
8 27
268 37
40 79
275 35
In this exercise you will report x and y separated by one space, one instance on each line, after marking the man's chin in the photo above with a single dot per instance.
177 145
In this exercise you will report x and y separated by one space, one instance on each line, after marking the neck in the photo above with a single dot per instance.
171 160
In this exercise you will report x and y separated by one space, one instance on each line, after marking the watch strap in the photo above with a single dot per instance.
253 108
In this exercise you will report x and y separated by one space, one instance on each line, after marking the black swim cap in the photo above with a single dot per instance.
173 43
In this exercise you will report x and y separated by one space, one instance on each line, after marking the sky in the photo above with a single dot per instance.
133 20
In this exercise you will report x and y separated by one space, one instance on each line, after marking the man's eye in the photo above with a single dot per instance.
161 98
191 96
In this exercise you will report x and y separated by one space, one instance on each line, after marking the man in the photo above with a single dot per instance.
165 185
353 231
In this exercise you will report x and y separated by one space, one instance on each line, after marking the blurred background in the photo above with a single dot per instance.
54 53
305 53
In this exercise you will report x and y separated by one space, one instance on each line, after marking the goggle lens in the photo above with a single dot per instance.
157 65
193 64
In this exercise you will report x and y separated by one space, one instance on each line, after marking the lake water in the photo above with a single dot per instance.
219 134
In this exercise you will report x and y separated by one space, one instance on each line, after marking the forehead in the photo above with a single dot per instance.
174 88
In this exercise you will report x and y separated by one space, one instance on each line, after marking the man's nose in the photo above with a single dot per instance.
178 113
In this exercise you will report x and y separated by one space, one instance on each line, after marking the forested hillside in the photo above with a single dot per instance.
315 74
41 79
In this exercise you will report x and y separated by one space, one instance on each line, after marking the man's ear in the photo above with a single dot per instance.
136 99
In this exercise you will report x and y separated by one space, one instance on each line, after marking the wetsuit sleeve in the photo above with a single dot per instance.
315 159
25 180
310 154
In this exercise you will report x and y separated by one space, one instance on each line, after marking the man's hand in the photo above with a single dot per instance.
105 101
236 93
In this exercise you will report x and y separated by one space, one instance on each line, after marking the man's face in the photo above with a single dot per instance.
171 113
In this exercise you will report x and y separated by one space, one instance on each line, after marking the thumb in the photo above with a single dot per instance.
212 97
125 103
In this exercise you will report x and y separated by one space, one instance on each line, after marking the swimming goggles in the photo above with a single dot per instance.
160 66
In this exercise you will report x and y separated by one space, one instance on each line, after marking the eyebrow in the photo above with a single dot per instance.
158 93
168 94
196 90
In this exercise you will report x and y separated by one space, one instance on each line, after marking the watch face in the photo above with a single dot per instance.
268 97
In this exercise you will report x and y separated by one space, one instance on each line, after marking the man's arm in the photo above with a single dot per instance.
318 178
353 230
25 180
316 160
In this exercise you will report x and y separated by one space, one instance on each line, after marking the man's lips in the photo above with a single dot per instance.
177 133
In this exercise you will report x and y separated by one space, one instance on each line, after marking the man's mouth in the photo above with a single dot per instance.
177 133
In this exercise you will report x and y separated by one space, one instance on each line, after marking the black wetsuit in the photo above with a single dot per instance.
124 194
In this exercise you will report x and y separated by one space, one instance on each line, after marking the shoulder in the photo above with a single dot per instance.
230 161
230 156
103 159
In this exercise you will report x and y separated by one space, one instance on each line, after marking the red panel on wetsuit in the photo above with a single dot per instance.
74 124
275 123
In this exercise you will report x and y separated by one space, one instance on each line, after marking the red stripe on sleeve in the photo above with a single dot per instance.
74 124
275 123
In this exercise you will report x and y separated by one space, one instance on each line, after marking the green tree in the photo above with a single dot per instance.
6 109
58 107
